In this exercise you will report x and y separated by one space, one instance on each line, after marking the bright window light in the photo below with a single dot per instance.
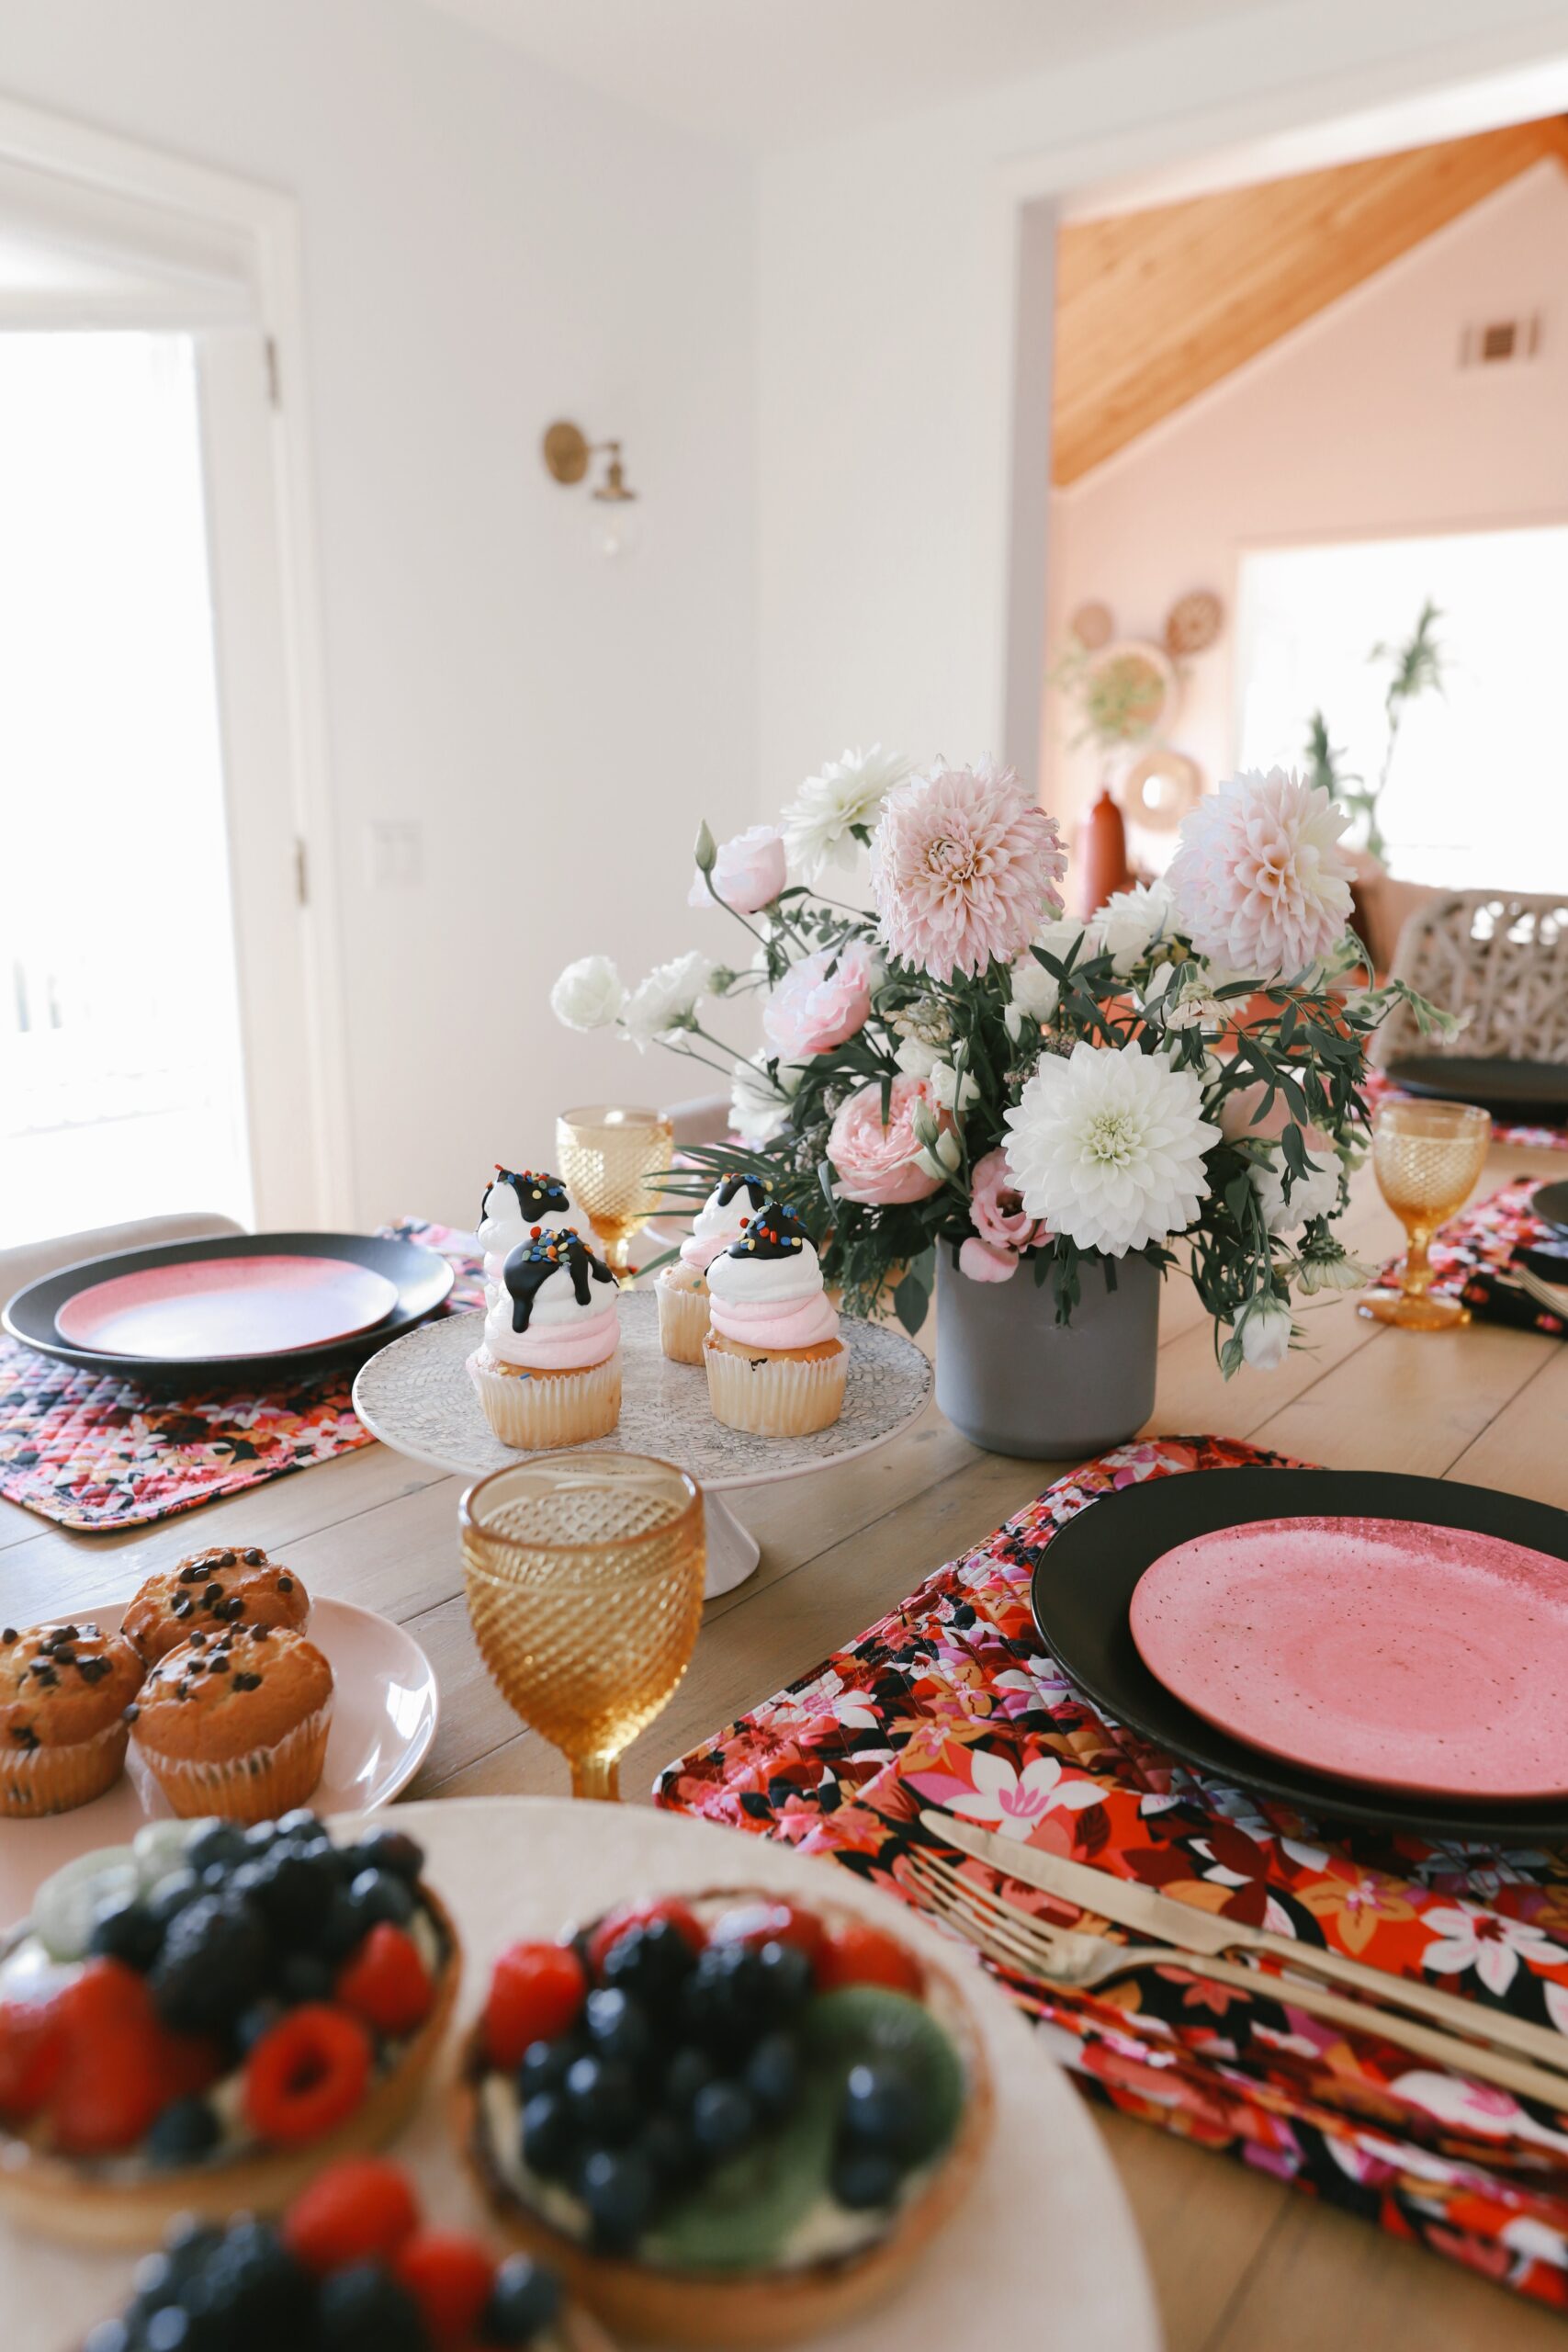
1478 793
121 1086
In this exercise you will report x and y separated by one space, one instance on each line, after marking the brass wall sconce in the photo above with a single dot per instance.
612 513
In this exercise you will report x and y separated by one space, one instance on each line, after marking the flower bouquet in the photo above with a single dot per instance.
962 1066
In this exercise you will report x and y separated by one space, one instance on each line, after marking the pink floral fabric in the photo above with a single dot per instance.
952 1698
92 1452
1472 1255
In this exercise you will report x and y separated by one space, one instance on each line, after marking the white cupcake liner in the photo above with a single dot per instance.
36 1781
254 1787
776 1395
682 1322
564 1409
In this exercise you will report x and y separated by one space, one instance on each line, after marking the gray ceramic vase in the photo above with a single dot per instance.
1013 1379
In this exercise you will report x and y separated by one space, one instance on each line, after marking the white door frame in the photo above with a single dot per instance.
298 1127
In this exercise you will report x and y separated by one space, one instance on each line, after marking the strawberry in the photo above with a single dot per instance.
859 1954
360 2210
537 1990
449 2276
32 2047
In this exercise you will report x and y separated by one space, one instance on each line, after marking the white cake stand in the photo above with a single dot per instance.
417 1398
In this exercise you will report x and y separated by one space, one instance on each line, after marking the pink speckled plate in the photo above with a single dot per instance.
206 1308
1379 1650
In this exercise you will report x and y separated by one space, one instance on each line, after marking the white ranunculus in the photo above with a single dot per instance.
1130 923
950 1092
759 1106
1106 1147
1314 1194
1264 1330
1034 992
589 993
850 791
661 1006
915 1057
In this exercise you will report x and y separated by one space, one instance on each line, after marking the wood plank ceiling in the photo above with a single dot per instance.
1155 307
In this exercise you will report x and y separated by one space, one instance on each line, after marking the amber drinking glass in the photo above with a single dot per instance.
1426 1156
608 1151
584 1577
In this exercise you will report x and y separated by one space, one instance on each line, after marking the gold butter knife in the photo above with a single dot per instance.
1166 1920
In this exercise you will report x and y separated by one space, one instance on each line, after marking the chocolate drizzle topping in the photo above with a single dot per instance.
774 1232
756 1190
532 1264
537 1195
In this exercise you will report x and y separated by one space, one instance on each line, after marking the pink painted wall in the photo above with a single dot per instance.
1362 423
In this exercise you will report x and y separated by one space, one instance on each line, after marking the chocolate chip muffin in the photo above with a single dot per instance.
225 1585
234 1720
64 1695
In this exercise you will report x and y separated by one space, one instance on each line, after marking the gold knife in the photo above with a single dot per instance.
1164 1920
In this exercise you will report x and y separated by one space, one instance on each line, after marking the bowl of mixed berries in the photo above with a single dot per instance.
729 2120
200 2021
350 2265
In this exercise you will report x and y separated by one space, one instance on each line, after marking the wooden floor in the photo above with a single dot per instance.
1240 2264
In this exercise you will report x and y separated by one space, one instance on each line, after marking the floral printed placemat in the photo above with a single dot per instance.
1471 1257
952 1699
1379 1088
94 1453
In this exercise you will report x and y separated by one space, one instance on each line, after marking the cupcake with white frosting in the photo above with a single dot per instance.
776 1365
681 1289
517 1203
549 1371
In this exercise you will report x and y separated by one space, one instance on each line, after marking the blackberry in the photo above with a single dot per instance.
217 1959
126 1931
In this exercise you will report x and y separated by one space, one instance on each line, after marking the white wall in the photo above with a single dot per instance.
1362 423
886 348
487 245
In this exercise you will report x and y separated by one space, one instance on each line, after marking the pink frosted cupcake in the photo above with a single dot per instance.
549 1371
776 1365
683 1291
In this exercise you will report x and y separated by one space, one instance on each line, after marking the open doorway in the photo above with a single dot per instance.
1306 449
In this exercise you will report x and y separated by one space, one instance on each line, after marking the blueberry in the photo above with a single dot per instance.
773 2073
389 1850
155 2281
184 2133
216 1961
126 1931
188 2245
666 2143
260 1836
523 2301
601 2098
169 2330
172 1894
215 1842
303 1977
112 2335
618 2028
651 1961
784 1973
380 1894
617 2186
722 2001
882 2110
862 2177
691 2070
302 1823
546 2063
362 2308
548 2138
289 1886
724 2118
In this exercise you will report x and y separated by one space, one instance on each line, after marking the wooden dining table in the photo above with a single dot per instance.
1240 2263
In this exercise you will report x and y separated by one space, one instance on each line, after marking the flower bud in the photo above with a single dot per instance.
924 1124
706 849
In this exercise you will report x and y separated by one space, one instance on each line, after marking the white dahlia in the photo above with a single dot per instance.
1259 883
819 823
1106 1147
664 1003
1131 921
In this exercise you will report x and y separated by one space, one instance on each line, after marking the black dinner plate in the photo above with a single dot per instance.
423 1278
1520 1090
1083 1585
1549 1202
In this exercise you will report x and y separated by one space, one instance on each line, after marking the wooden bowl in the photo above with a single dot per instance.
59 2199
700 2309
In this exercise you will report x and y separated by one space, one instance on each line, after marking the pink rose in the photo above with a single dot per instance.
879 1166
984 1264
813 1009
748 873
997 1205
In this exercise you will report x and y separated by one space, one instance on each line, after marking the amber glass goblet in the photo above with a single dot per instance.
1426 1156
608 1152
584 1575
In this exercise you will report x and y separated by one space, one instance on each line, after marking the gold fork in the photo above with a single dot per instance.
1068 1959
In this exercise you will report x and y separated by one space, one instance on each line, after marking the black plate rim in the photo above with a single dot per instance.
1125 1687
423 1278
1469 1083
1558 1184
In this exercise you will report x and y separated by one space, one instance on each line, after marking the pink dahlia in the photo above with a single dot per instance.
1260 883
963 868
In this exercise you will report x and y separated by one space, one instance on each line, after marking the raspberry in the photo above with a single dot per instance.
773 1923
859 1954
358 2210
450 2277
536 1993
386 1982
32 2046
110 2082
307 2075
615 1924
